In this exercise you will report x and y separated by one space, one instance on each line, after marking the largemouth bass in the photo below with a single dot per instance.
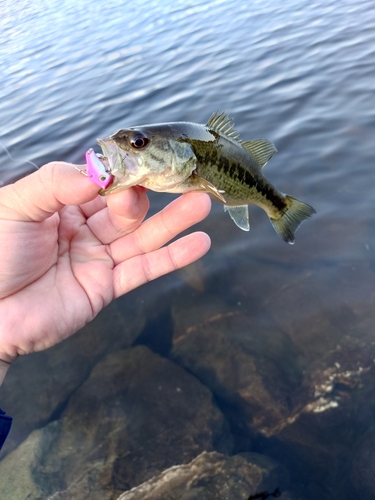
181 156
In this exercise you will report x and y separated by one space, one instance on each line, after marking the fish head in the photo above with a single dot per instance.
127 158
146 156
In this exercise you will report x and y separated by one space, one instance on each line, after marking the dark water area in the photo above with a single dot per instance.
261 354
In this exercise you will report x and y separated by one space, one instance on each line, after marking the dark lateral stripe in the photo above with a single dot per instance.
236 172
271 195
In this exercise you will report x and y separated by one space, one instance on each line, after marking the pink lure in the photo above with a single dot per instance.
96 171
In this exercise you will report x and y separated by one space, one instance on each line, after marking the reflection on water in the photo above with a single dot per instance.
262 354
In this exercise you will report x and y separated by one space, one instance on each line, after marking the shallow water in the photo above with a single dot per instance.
297 73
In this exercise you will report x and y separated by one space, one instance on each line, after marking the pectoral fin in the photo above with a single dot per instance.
210 188
239 215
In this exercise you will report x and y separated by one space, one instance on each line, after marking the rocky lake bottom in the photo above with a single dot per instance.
190 394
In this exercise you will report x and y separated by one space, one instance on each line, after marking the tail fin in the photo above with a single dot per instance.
291 219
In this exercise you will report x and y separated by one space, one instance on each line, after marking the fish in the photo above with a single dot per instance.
178 157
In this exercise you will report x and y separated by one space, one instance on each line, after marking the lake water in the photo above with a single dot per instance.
298 73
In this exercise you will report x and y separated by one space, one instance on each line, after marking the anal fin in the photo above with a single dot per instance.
239 215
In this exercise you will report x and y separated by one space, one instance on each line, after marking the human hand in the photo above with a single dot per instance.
66 252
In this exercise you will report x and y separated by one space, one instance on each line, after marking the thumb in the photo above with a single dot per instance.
42 193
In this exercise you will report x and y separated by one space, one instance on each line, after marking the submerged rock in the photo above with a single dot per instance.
253 368
136 415
38 386
212 476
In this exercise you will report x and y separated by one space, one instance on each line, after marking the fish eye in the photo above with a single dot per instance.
139 141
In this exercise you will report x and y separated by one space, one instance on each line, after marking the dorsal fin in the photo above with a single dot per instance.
221 123
261 150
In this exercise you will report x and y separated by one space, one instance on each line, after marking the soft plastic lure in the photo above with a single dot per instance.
96 170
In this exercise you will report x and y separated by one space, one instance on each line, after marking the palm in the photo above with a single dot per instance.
64 278
58 271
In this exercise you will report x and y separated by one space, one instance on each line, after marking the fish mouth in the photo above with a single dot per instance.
116 162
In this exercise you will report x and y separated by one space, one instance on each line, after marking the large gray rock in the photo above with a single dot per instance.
16 474
136 415
212 476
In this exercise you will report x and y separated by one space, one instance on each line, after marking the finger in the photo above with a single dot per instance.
146 267
126 211
42 193
91 207
178 216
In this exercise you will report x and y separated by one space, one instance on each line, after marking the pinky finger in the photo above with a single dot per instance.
140 269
